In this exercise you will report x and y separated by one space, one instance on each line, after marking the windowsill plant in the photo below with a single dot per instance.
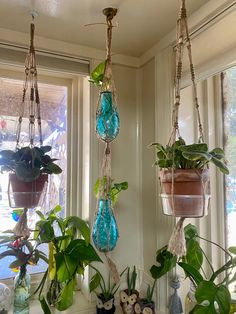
212 294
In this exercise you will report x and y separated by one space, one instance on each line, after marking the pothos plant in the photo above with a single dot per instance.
114 190
194 156
212 293
97 74
70 252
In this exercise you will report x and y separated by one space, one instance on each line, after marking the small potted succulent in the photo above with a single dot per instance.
129 296
29 168
146 305
106 295
184 176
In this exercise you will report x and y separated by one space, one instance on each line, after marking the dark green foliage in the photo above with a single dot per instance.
131 280
211 290
29 162
195 156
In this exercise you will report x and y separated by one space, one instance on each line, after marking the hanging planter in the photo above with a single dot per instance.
184 176
29 166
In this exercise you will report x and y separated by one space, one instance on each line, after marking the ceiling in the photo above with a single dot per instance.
141 23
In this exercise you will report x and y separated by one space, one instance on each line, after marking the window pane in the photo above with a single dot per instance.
53 101
229 97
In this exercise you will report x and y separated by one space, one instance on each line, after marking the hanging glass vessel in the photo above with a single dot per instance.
105 232
21 292
107 118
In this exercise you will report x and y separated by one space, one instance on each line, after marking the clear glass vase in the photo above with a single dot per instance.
21 292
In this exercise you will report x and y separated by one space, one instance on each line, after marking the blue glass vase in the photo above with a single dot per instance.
107 119
105 232
21 292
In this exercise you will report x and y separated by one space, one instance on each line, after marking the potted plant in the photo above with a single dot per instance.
146 305
29 168
184 176
69 254
105 231
106 295
24 250
129 296
212 294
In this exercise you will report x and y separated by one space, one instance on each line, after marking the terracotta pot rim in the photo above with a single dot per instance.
42 177
182 175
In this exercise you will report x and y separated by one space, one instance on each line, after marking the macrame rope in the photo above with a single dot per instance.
31 83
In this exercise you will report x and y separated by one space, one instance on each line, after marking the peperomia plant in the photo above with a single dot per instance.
194 156
114 190
212 292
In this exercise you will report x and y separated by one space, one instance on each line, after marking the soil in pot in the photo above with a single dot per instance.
26 194
185 192
144 307
128 300
105 306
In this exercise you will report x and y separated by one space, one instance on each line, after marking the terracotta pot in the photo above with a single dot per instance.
128 300
185 192
144 307
105 306
27 194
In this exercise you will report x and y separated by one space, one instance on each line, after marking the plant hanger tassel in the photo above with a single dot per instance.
177 244
31 84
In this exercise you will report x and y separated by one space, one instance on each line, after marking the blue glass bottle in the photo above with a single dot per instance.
105 232
21 292
107 119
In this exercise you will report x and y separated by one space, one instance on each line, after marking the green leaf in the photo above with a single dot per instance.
46 149
25 173
221 165
197 148
66 266
194 255
66 297
197 156
190 232
46 231
17 263
40 214
53 168
81 251
166 260
80 225
191 272
97 74
44 305
94 282
207 290
232 250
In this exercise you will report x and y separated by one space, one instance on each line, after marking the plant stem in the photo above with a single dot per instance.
220 247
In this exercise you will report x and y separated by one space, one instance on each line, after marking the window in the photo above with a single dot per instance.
229 107
54 99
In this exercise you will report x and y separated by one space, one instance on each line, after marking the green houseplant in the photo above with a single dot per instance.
212 294
146 304
129 296
20 246
29 168
106 295
184 176
69 254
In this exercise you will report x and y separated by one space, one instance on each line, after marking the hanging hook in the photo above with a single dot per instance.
109 13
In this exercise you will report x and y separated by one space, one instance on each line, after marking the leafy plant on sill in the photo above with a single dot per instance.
131 280
68 256
100 187
207 289
194 156
108 290
29 162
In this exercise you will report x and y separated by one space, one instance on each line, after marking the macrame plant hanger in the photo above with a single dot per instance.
177 244
105 231
30 98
